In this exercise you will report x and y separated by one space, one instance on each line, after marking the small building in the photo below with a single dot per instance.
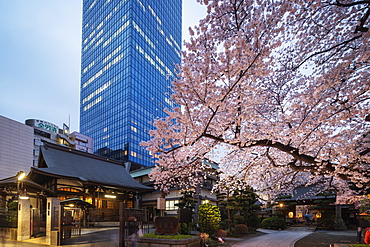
320 206
82 142
149 201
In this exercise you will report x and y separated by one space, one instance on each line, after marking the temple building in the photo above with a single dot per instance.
78 179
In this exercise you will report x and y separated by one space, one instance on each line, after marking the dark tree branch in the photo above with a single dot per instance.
339 46
340 4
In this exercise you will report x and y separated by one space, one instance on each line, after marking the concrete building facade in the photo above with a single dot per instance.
16 147
48 132
20 143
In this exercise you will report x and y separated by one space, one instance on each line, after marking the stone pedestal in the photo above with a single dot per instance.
24 220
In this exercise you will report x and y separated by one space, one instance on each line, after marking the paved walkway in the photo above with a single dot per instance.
108 237
286 238
90 237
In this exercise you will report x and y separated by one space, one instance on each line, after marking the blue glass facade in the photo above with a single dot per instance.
129 52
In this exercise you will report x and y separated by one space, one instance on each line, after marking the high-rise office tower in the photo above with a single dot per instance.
129 52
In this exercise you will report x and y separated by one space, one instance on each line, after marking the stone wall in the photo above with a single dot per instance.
8 233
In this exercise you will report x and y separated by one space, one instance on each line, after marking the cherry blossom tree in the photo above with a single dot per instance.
278 89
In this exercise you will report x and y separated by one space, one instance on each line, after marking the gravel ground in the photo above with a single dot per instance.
325 238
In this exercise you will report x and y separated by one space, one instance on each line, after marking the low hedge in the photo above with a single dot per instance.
274 222
178 236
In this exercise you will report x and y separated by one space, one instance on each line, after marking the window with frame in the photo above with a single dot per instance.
129 204
170 204
37 142
110 204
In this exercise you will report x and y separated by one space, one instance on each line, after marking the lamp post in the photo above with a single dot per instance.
98 206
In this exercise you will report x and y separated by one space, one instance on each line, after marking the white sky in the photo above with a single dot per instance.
40 49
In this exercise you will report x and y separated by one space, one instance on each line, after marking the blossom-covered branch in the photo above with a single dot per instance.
276 91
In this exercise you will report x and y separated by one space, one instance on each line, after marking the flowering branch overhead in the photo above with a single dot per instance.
278 89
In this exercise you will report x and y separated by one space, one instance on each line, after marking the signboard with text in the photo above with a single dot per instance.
48 126
161 203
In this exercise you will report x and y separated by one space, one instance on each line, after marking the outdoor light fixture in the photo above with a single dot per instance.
318 215
24 197
21 175
281 205
110 196
290 214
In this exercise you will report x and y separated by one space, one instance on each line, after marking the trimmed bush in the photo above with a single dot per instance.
241 229
221 233
253 222
209 218
274 222
186 228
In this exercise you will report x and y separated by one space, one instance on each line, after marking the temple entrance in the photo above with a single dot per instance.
133 221
37 224
71 222
73 217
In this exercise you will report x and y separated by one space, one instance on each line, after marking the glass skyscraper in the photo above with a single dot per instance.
129 52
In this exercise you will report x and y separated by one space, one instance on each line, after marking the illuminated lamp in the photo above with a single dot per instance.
290 214
318 215
110 196
21 175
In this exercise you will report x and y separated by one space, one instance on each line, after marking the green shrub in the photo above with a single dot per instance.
238 206
186 228
253 222
13 205
209 218
327 220
277 213
273 222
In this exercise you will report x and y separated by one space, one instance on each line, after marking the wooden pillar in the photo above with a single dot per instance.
122 207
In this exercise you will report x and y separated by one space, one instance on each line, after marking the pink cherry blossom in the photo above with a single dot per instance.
277 92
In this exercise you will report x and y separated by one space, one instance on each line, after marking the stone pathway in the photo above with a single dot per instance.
273 238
